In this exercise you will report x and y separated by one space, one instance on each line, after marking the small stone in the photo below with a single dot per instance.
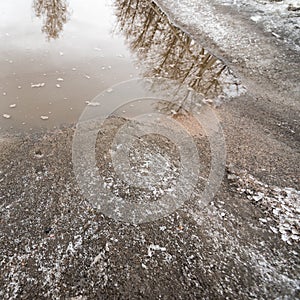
47 230
38 154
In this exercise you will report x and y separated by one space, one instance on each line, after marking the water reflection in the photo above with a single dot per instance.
166 51
54 14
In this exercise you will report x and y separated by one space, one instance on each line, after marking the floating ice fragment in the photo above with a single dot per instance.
109 90
13 105
74 69
60 79
61 53
87 76
4 93
92 103
44 117
6 116
38 85
19 87
58 85
97 49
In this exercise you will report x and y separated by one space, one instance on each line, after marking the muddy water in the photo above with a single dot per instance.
85 59
55 58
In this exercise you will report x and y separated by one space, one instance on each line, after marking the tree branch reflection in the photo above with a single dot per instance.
54 14
166 51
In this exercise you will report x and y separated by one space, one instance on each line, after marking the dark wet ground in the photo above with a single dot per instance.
54 245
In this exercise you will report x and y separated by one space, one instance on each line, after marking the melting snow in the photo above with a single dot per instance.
153 248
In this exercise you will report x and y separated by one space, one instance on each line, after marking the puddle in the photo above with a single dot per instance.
55 57
54 77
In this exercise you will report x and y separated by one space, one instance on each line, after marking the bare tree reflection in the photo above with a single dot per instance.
166 51
54 13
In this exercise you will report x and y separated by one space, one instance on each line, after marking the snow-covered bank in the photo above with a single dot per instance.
259 40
